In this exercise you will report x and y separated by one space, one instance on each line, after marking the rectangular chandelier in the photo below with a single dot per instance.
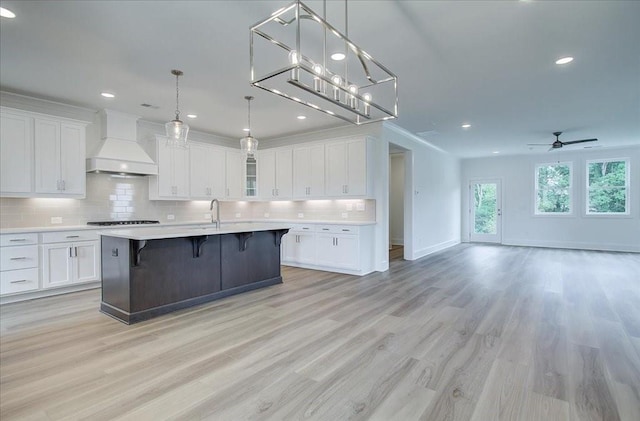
298 55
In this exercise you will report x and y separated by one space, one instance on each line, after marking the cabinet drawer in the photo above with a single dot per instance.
22 280
67 236
18 239
339 229
21 257
302 228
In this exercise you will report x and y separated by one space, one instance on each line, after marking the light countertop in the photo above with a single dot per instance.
167 225
157 233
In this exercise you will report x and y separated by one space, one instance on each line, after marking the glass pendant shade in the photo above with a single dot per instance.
177 132
249 145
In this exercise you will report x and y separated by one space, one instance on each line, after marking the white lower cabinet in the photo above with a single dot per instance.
299 245
18 263
70 262
334 248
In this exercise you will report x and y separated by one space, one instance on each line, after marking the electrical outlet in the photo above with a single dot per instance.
349 207
56 220
345 215
266 214
360 206
238 214
300 215
171 217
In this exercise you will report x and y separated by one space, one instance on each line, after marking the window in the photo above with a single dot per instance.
553 189
608 187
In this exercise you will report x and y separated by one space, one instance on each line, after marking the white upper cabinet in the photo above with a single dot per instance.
59 158
43 156
308 171
346 168
172 181
275 173
16 142
207 172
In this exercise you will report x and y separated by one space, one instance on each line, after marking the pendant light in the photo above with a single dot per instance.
249 144
177 130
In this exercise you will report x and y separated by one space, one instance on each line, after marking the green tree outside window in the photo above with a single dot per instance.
553 188
607 187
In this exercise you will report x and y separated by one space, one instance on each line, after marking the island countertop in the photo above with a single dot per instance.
157 233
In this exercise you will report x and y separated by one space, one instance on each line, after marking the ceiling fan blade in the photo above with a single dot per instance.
551 148
537 144
579 141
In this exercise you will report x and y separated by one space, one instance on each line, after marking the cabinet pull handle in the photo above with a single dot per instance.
347 230
75 252
336 241
18 258
15 240
325 229
64 185
20 281
70 251
73 236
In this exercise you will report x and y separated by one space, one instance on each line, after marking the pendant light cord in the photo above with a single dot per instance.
177 99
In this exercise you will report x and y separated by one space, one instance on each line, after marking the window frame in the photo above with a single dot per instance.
571 189
627 187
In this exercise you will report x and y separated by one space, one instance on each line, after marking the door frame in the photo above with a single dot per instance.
485 238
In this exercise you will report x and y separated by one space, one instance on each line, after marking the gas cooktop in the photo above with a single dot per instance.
133 222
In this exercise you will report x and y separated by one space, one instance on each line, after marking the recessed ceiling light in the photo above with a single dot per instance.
6 13
337 56
564 60
495 152
466 125
301 117
107 95
192 116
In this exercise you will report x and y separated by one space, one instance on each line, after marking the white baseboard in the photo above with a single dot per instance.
417 254
14 298
572 245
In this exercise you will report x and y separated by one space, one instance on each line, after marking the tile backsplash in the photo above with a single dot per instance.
114 197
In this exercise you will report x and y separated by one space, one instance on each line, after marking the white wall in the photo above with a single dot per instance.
432 194
520 226
396 198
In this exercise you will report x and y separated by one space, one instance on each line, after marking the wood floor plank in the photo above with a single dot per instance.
474 331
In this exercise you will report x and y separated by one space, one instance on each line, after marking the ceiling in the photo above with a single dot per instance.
486 63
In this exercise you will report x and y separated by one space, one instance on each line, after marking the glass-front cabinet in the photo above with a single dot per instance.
251 178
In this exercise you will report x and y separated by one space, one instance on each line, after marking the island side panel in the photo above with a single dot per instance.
260 261
115 272
169 273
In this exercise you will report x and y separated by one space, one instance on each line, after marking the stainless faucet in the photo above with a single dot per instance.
217 220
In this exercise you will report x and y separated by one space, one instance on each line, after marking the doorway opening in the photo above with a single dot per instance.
400 203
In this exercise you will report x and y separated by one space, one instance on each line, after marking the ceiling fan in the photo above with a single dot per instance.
559 144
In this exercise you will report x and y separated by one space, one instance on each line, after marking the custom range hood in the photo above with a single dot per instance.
119 151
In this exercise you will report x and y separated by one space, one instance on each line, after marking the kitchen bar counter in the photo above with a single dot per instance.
151 271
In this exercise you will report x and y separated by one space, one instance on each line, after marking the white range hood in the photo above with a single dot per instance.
119 151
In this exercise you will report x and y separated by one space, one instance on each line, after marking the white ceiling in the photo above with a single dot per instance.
489 63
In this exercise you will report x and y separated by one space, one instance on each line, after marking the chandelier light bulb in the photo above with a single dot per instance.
353 101
318 84
337 82
367 107
294 59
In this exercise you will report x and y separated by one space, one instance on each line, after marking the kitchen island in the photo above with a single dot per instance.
147 272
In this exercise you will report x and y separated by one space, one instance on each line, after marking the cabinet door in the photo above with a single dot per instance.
233 178
306 248
284 173
56 265
347 252
289 247
266 174
86 261
325 250
165 170
301 171
72 159
47 156
207 171
16 141
356 168
180 169
316 166
336 169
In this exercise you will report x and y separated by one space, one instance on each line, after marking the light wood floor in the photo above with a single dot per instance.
477 332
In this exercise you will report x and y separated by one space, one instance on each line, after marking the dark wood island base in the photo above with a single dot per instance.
142 279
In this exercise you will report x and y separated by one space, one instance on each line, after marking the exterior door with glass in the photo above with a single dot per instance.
485 211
